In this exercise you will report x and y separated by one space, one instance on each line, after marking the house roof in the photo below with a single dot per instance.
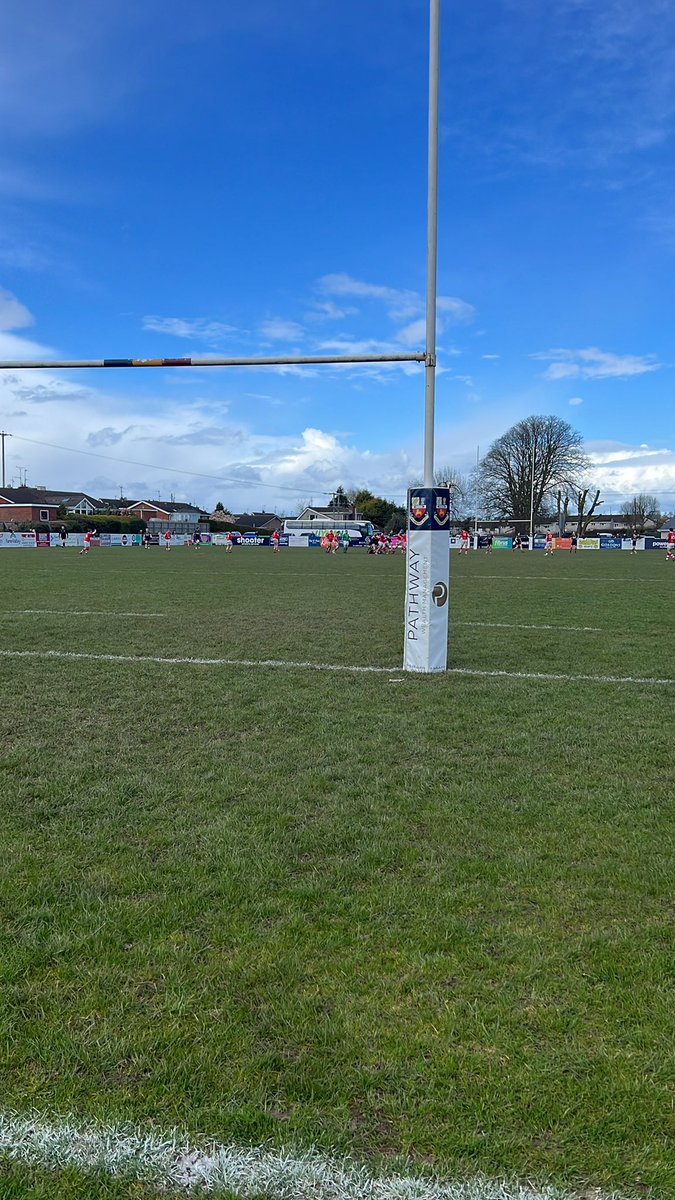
177 506
117 501
30 496
166 506
47 497
254 519
328 511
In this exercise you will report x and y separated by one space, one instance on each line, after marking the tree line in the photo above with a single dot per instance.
538 467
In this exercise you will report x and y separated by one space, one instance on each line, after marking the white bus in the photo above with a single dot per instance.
309 533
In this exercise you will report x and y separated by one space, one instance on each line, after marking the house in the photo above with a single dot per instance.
41 505
115 504
258 522
161 515
330 512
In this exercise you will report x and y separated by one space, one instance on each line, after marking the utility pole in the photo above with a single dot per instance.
475 500
3 435
534 447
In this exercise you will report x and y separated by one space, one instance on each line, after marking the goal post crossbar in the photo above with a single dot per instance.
212 361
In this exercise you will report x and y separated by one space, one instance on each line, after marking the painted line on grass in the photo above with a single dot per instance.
169 1163
345 668
504 625
197 662
562 578
75 612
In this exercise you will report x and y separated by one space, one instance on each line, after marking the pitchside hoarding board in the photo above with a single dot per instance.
427 580
17 541
120 539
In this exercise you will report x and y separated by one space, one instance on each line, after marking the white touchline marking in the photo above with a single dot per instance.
75 612
195 662
289 664
503 625
169 1163
561 678
553 579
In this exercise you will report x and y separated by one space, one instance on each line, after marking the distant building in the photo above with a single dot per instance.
341 513
115 504
258 522
41 505
161 515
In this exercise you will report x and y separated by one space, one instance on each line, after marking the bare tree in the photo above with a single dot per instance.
530 460
461 486
563 498
301 504
586 510
642 510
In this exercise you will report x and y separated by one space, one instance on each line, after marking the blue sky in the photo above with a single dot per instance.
251 179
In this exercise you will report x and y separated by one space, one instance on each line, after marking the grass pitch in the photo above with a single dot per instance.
430 917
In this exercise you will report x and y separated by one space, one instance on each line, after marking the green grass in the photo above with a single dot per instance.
431 917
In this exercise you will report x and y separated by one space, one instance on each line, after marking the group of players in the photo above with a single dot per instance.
394 543
381 543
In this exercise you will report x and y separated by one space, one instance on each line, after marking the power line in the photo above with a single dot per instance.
276 487
242 481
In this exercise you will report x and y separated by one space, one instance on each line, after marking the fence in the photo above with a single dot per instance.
32 541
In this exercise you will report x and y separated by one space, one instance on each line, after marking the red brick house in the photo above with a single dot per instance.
170 514
41 505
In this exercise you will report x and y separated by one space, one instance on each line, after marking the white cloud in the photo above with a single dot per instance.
402 304
621 470
413 335
327 310
592 363
576 400
455 309
490 356
279 330
72 436
13 314
201 329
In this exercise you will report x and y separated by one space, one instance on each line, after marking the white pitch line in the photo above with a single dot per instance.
503 625
637 679
74 612
289 664
169 1163
562 578
196 662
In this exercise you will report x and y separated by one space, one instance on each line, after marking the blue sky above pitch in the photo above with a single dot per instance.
173 187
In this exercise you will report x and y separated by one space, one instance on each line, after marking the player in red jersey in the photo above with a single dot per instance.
465 542
276 539
167 539
670 554
87 541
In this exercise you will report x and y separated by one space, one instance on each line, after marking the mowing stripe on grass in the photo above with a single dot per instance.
168 1162
113 612
74 612
289 664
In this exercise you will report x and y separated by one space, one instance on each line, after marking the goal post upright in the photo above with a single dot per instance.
428 507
